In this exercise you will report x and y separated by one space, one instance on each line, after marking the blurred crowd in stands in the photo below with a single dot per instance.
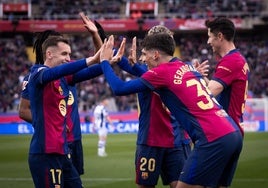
210 8
15 61
63 9
14 65
114 9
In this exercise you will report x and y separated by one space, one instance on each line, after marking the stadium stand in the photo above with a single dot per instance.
15 44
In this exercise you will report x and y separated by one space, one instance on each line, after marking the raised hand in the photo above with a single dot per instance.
120 52
106 51
203 67
88 24
93 59
93 30
132 58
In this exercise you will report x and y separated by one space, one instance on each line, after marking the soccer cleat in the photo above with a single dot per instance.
104 154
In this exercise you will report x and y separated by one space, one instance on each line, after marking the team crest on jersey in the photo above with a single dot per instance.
144 175
57 186
62 107
70 98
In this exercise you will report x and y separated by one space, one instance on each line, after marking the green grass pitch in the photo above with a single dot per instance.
117 170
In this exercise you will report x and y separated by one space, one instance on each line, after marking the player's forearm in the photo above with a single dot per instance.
87 73
206 79
126 66
26 115
135 70
63 70
139 69
24 108
96 41
215 87
118 86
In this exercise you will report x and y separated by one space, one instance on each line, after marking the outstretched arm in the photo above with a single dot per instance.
93 30
68 68
129 64
87 73
118 86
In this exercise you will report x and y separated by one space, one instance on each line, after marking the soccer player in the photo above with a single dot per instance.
162 144
230 80
74 136
24 105
216 137
49 158
101 122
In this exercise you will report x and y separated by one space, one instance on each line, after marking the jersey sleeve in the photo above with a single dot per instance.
24 89
118 86
226 71
155 78
136 70
57 72
87 73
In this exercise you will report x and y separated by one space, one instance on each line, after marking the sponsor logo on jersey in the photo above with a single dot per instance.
62 107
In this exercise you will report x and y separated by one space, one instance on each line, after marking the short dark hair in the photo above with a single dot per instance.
53 41
161 41
223 25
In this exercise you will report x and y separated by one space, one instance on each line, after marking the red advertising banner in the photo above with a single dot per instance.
65 25
15 7
117 25
143 6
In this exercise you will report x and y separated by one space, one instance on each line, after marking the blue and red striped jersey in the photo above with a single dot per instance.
48 94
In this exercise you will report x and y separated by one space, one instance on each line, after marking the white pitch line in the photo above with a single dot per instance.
250 180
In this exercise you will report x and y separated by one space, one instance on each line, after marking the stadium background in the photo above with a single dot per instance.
21 19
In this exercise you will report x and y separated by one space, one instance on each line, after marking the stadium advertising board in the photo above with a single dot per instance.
86 128
114 25
256 115
255 120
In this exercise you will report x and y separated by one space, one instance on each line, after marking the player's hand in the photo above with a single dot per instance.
132 58
203 67
106 51
88 24
120 52
93 59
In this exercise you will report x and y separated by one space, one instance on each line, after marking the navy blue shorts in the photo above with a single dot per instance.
152 162
53 170
213 164
187 148
76 151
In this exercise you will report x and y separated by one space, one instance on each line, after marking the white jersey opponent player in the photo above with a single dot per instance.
101 121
